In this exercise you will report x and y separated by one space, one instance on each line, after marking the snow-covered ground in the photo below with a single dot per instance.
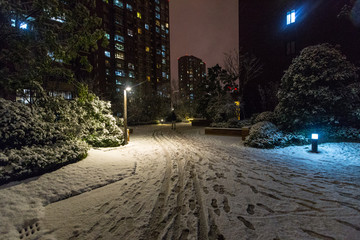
186 185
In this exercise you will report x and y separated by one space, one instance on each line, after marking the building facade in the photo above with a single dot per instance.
138 52
281 29
192 72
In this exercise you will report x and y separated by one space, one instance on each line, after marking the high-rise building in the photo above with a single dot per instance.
137 53
275 31
139 48
192 71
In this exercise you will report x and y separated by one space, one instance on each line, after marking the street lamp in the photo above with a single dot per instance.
125 115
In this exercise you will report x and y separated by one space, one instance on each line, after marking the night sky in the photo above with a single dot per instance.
202 28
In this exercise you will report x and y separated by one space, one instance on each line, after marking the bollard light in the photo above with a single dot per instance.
314 142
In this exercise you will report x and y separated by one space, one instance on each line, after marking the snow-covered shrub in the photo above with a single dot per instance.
221 109
30 161
265 116
20 126
267 135
29 145
87 118
318 89
100 127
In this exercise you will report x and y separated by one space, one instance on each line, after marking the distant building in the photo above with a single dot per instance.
139 49
138 33
192 71
276 31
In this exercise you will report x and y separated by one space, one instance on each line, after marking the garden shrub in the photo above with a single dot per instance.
265 116
30 146
320 88
267 135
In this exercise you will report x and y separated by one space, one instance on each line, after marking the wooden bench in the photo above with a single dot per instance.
241 132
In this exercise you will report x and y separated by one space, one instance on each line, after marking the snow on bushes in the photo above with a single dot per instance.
266 135
16 164
29 145
52 134
19 126
320 88
87 118
265 116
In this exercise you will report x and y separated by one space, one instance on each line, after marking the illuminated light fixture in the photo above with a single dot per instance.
128 89
314 142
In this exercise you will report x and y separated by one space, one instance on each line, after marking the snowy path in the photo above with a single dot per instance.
184 185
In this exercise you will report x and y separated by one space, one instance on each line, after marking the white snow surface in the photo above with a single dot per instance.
186 185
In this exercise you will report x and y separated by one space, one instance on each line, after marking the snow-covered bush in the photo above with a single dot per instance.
87 118
16 164
320 88
20 126
267 135
29 145
265 116
221 108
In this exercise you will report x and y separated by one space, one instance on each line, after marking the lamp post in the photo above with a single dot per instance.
125 115
314 142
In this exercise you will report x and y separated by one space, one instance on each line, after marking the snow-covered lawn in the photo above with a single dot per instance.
186 185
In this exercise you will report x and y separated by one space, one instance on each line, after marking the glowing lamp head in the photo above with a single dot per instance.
128 89
315 136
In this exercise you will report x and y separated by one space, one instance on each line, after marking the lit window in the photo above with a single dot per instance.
23 25
118 82
139 31
131 66
106 1
157 23
129 7
163 54
163 61
13 22
107 54
163 47
130 32
147 26
139 15
158 51
163 74
157 29
157 15
148 78
157 1
167 31
131 74
107 35
118 3
166 25
120 55
147 49
107 71
119 47
158 65
157 8
119 38
290 17
120 73
162 27
119 65
107 63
